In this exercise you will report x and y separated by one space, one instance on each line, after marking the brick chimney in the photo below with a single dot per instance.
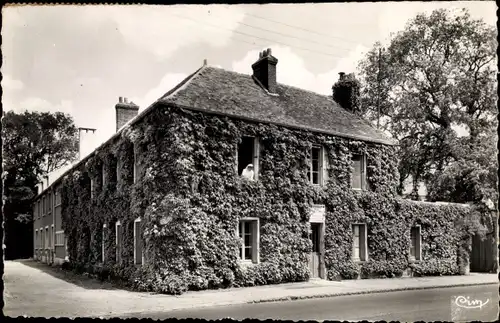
125 111
264 70
346 92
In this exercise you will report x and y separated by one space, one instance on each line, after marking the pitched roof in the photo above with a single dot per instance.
238 95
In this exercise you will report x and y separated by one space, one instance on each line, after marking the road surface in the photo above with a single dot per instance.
414 305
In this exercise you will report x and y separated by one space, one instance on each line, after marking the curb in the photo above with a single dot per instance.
297 298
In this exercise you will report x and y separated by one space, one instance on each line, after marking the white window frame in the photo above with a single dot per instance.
53 237
363 172
321 165
103 175
59 234
103 250
56 194
255 241
46 243
255 157
118 255
363 242
138 220
418 246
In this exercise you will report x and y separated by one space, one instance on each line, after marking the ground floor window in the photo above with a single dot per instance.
119 241
415 250
359 246
59 238
37 243
138 256
104 227
248 231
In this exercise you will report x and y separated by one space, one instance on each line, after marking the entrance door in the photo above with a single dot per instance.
315 256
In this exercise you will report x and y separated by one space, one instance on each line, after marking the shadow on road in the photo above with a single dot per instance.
71 277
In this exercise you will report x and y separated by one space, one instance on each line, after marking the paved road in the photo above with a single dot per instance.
417 305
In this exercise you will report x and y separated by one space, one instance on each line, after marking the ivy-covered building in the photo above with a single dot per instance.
236 180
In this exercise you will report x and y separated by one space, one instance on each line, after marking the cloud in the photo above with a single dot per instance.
41 105
9 84
291 69
162 30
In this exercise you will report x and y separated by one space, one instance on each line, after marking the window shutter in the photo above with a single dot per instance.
255 241
256 157
362 242
363 171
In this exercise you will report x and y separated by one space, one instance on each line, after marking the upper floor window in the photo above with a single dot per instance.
358 172
136 165
58 197
315 171
248 158
103 174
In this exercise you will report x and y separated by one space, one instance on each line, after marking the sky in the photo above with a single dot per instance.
80 59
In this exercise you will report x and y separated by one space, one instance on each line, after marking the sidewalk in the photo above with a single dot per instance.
34 292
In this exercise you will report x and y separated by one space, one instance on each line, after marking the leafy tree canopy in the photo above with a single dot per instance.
34 144
434 90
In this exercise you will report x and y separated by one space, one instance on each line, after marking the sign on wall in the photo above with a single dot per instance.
317 214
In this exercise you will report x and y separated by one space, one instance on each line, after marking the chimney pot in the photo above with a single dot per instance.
125 100
261 54
205 62
120 99
268 51
341 76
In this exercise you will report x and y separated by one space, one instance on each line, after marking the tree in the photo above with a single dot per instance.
34 144
434 90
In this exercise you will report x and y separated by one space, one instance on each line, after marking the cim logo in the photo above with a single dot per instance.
466 302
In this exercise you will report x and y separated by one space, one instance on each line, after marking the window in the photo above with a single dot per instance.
119 237
43 206
415 248
36 239
59 238
103 251
248 231
138 256
46 245
315 171
248 158
136 165
52 236
358 172
113 171
39 209
103 174
49 202
91 188
359 246
58 197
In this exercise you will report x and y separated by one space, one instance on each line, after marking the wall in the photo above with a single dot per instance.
190 201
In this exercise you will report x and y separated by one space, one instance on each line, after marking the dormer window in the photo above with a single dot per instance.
247 156
358 180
